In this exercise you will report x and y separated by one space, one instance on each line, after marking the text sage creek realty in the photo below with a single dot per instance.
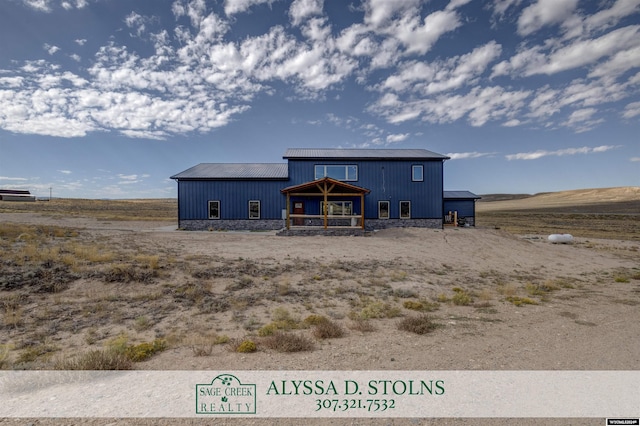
352 387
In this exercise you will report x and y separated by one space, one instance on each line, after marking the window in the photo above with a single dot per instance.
405 209
417 173
214 209
338 208
383 210
338 172
254 209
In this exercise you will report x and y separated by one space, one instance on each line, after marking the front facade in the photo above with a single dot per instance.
354 188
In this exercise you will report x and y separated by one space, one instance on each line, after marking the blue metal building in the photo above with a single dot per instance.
357 188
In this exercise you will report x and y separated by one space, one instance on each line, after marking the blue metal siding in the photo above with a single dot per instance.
387 181
465 208
234 196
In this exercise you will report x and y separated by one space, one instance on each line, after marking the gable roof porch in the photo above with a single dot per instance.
325 188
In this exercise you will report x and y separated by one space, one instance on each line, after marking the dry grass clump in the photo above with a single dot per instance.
287 342
136 353
362 325
327 330
41 352
282 320
96 360
12 311
203 344
4 355
422 324
541 289
375 309
519 301
421 305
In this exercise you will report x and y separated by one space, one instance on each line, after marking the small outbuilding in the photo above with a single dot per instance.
16 195
459 208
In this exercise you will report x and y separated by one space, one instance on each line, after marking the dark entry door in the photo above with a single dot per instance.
298 208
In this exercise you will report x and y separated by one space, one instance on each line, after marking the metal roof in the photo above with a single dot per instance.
459 195
354 154
235 171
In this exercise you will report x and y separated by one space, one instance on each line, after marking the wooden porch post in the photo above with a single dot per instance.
288 208
362 209
326 205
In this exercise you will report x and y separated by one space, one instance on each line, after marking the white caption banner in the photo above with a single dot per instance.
513 394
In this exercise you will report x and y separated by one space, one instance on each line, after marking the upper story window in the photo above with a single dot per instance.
417 173
338 171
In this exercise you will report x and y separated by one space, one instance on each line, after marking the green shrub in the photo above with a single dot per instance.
422 306
312 320
461 297
519 301
246 346
144 351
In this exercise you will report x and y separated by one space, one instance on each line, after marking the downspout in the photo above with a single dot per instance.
179 212
442 194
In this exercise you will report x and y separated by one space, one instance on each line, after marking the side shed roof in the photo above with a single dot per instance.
205 171
362 154
460 195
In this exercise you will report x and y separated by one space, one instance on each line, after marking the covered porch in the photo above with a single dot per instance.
325 204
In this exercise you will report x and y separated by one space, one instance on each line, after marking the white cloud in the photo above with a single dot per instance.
380 12
635 159
399 137
439 76
631 110
12 178
39 5
500 7
535 60
468 155
303 9
50 49
232 7
544 12
608 17
65 172
559 153
81 41
419 37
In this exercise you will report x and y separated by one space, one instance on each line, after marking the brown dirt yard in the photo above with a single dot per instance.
492 300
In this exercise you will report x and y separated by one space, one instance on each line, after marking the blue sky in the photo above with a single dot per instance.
108 98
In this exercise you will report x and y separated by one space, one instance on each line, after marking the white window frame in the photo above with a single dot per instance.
343 202
400 206
254 201
414 168
209 208
388 203
320 171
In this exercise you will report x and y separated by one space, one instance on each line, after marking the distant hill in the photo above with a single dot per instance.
612 200
489 198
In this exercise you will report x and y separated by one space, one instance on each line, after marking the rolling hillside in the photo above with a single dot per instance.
601 200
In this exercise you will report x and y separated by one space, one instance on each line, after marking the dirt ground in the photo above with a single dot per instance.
584 312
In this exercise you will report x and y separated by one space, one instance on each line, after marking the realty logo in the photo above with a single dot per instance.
226 395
